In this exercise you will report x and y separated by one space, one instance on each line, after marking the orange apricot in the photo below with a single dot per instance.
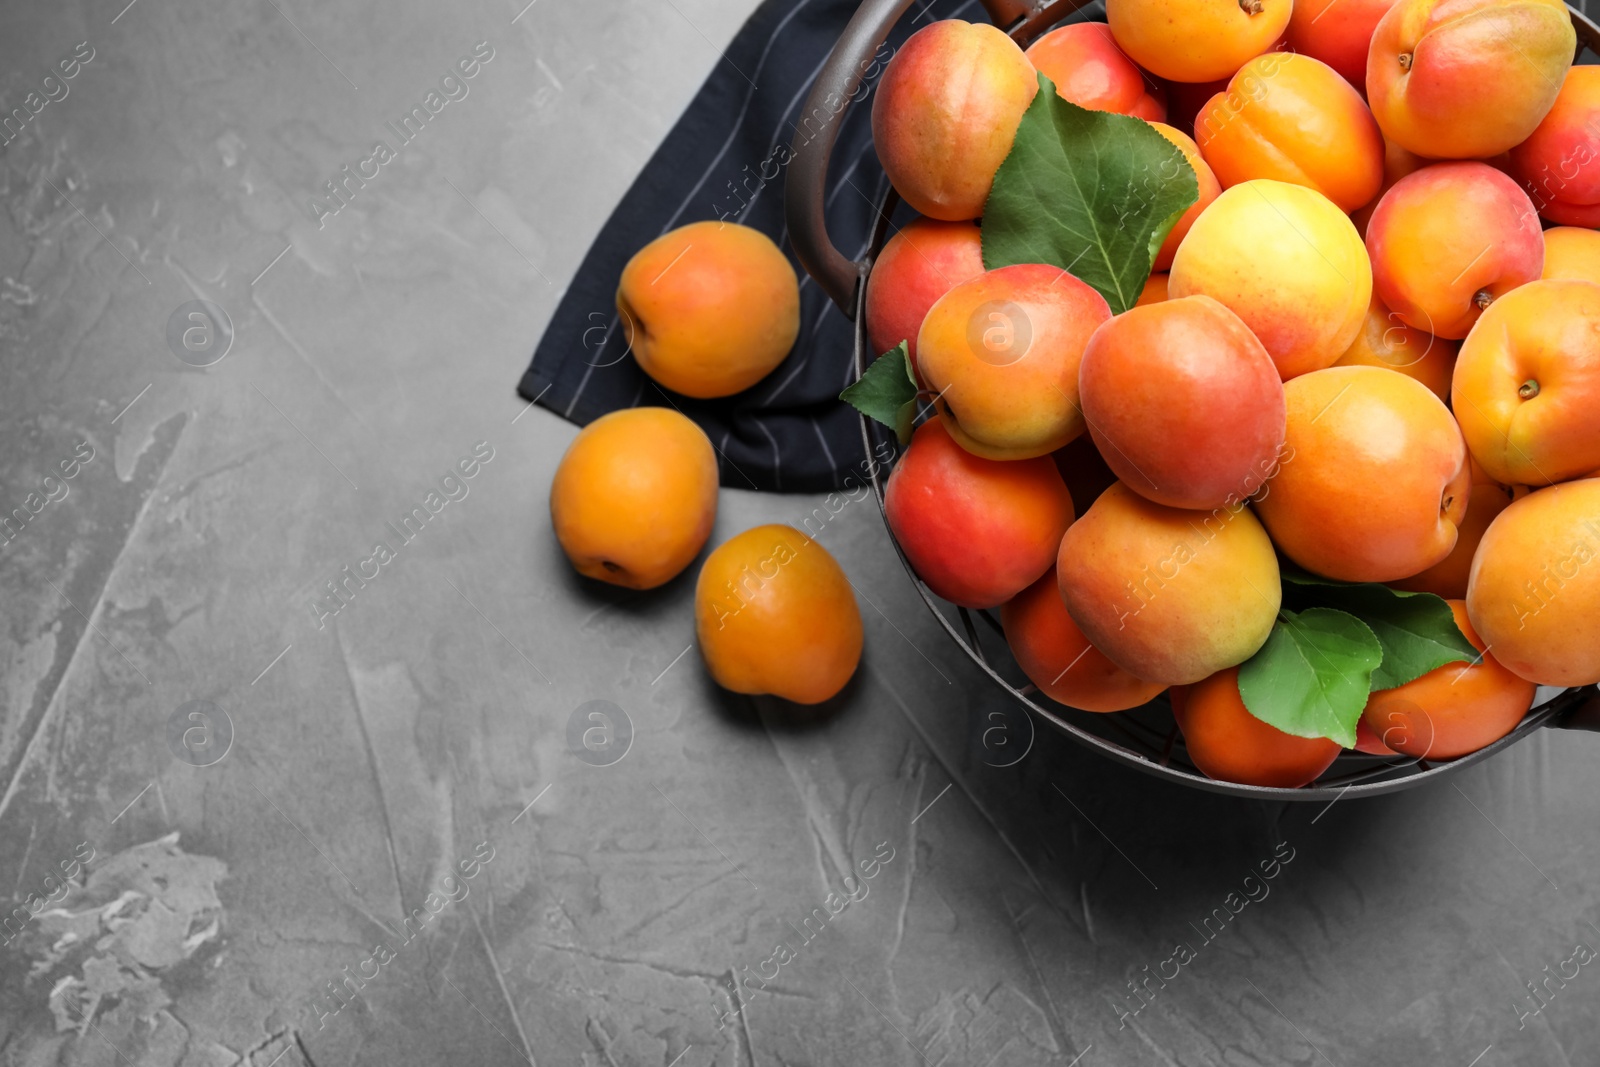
1205 181
1573 253
1086 66
1385 341
1057 658
1338 32
1559 163
1196 40
1226 742
919 264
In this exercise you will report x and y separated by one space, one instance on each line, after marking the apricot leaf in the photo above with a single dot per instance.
1313 676
1088 191
1418 631
887 392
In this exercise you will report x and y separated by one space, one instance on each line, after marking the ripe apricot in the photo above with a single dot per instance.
1558 163
1451 710
1057 658
1205 181
919 264
1169 595
1448 578
1087 68
1288 262
774 613
1374 479
1527 384
1534 594
1467 79
709 308
1154 291
945 113
1196 40
1294 119
1229 744
1573 253
1002 352
977 531
1385 341
1449 239
1369 742
634 496
1338 32
1183 402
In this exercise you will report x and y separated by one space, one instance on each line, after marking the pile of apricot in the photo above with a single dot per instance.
1364 352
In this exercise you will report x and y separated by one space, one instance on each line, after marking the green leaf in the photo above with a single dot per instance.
887 392
1313 676
1088 191
1418 631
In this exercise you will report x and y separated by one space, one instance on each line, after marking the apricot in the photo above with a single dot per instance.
709 308
977 531
1226 742
1397 163
1448 577
1087 68
945 113
1196 40
1557 164
1573 253
1534 593
1294 119
1288 262
1338 32
774 613
1454 709
1369 742
1449 239
1527 384
1374 479
1183 402
634 496
1385 341
1057 658
1002 350
919 264
1465 79
1169 595
1154 291
1205 181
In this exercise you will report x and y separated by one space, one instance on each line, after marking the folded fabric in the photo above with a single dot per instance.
725 159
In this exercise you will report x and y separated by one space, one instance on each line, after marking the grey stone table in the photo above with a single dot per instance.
361 836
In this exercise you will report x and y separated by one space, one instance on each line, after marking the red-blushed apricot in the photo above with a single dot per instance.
1448 577
1534 593
1571 253
1293 119
1057 658
945 114
1087 68
1184 403
1527 384
918 265
1374 478
774 613
977 531
1169 595
1288 262
1559 163
1385 341
1154 291
1229 744
1205 181
1338 32
1466 79
1451 710
1001 352
1369 742
634 496
1397 163
1196 40
1447 241
1084 470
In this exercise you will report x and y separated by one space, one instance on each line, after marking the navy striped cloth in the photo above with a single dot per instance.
724 160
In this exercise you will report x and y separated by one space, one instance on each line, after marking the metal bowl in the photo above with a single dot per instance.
1147 737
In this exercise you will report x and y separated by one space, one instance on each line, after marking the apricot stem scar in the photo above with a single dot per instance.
1251 7
1528 389
1483 298
1405 60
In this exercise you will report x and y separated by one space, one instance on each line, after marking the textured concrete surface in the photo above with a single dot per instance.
745 886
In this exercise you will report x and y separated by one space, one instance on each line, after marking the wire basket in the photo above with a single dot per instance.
1146 738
